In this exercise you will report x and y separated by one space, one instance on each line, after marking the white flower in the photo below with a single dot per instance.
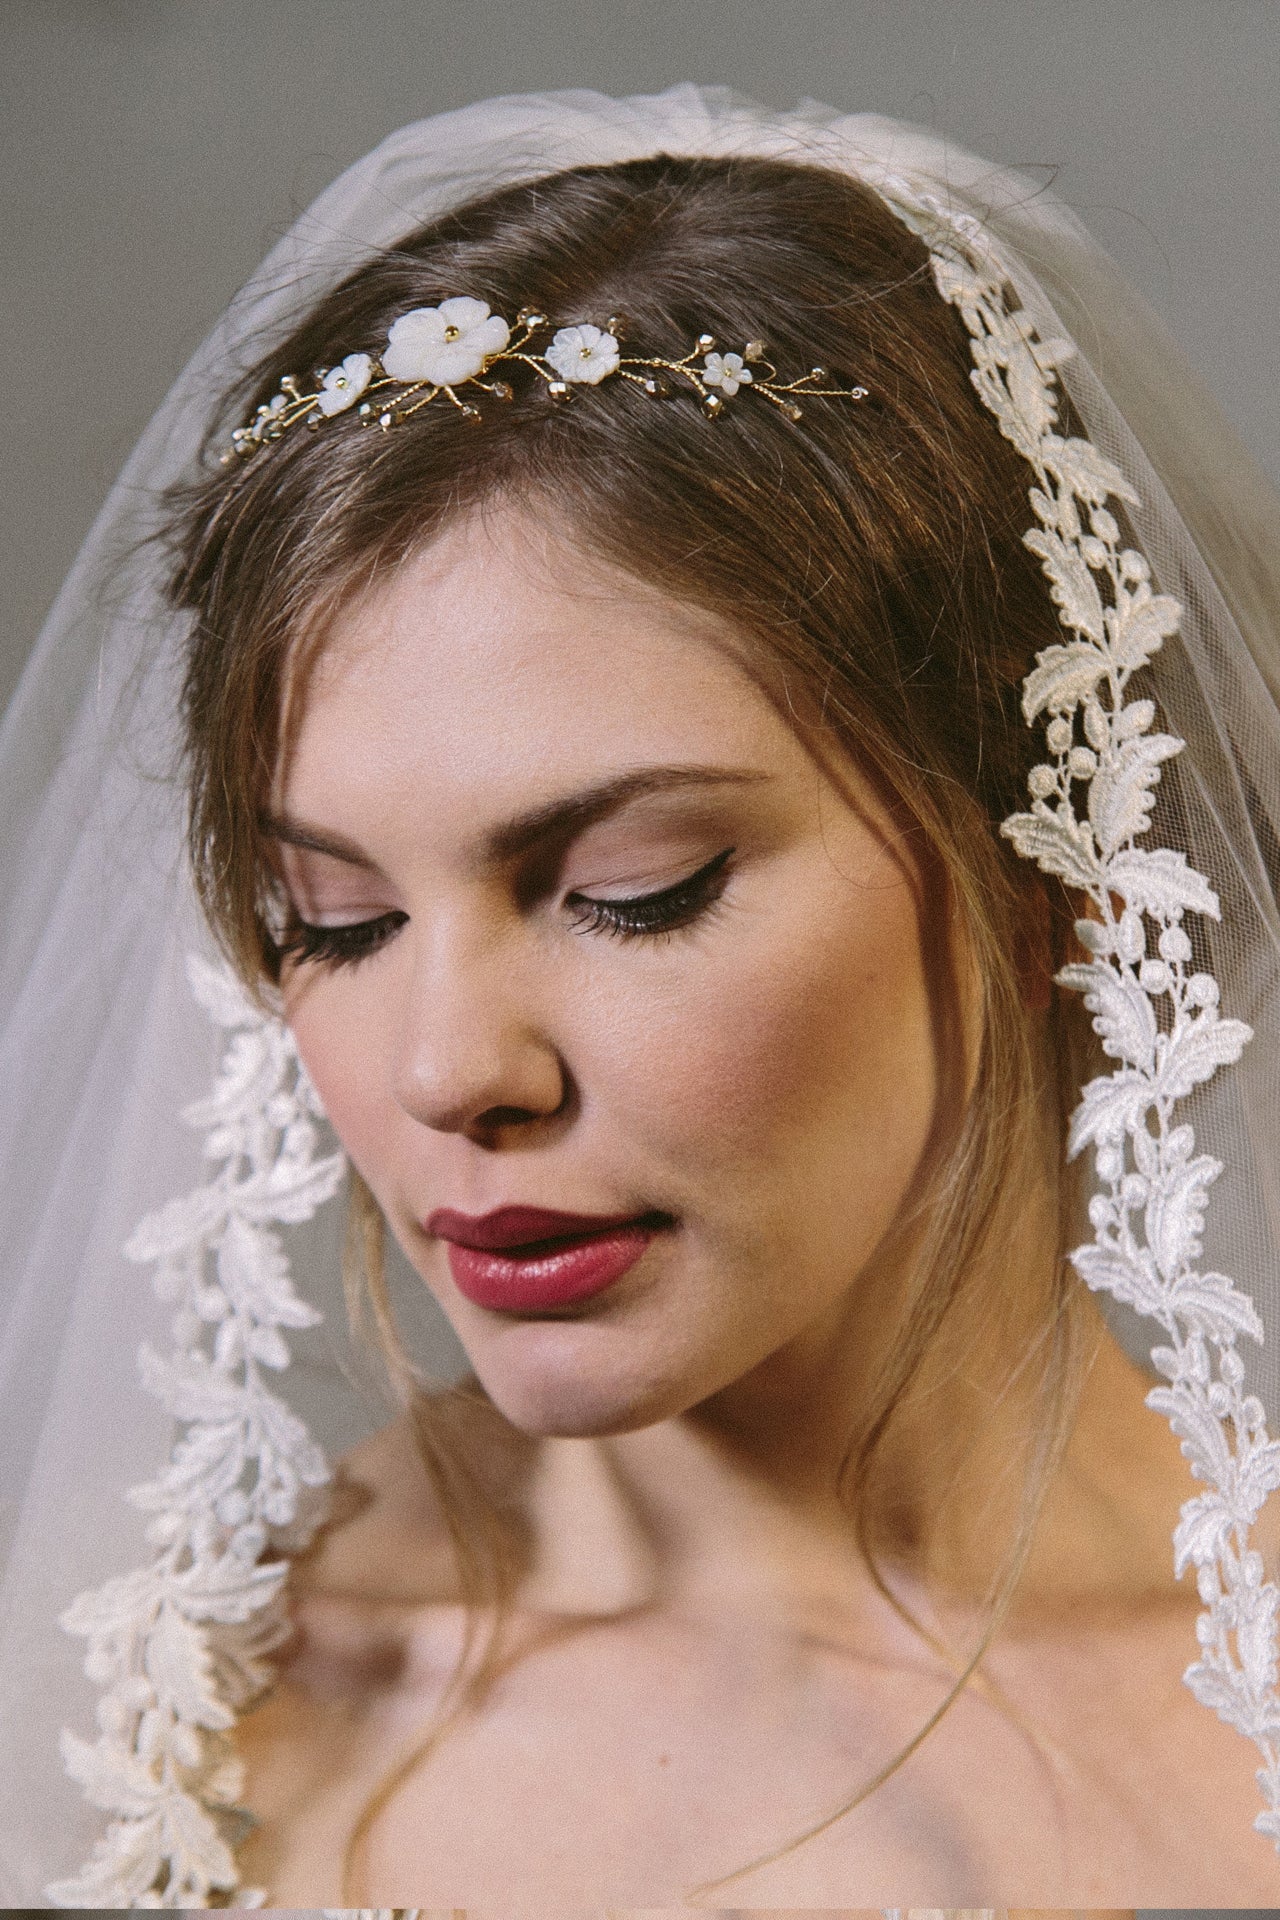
444 345
342 386
584 354
728 371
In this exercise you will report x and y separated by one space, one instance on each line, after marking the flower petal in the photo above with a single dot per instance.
464 313
411 343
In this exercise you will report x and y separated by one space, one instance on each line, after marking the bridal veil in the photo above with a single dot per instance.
103 1044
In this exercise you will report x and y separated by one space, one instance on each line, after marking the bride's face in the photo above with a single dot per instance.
588 930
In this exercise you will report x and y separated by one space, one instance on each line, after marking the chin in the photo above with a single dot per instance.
558 1379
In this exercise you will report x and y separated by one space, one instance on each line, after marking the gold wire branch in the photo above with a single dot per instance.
579 355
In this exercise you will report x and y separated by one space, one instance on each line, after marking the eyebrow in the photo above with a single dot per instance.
553 820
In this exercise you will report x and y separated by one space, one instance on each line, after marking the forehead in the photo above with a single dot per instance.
501 662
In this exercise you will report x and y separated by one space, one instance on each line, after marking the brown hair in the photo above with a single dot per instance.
872 554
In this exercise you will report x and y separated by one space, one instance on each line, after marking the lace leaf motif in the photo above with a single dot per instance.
1156 1016
181 1646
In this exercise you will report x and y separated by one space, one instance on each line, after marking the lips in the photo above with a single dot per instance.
529 1259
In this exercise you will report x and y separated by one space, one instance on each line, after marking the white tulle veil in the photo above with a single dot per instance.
103 1045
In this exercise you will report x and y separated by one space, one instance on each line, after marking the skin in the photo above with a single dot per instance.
769 1077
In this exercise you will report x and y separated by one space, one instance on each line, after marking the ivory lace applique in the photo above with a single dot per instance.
180 1647
1158 1017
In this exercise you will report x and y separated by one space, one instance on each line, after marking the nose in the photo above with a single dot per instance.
473 1054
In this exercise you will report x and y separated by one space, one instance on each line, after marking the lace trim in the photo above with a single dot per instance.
1156 1016
180 1647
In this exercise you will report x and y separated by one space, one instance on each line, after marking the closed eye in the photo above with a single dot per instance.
678 905
634 917
340 946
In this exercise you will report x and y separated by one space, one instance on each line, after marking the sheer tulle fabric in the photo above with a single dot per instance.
101 1044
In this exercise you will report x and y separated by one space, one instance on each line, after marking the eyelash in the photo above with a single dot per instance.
644 915
655 913
340 946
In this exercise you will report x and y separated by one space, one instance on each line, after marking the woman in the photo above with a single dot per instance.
605 687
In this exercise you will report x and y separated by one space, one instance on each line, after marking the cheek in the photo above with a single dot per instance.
790 1061
342 1044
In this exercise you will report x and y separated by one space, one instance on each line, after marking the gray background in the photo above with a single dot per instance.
150 150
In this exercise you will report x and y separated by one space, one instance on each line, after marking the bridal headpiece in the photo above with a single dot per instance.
432 351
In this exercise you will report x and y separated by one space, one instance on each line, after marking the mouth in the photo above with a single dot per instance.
529 1260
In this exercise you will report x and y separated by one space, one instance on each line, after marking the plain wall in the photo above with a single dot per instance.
150 151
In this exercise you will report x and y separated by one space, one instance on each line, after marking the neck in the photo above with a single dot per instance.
1003 1445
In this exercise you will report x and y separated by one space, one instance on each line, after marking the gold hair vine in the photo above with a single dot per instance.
432 351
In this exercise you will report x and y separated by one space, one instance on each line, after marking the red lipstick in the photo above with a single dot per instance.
528 1259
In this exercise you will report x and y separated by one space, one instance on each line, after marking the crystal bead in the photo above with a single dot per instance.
559 390
531 318
705 342
754 350
713 406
